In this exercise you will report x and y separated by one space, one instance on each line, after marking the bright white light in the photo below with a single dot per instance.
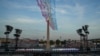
65 49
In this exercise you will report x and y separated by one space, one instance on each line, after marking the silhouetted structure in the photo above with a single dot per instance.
85 29
84 37
8 31
17 35
79 31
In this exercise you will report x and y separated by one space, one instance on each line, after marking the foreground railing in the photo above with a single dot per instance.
50 53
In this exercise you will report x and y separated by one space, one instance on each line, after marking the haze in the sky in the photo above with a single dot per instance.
70 15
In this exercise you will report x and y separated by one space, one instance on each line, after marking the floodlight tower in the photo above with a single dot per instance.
8 31
85 28
79 31
17 35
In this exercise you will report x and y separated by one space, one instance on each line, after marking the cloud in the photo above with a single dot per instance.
80 10
98 12
77 10
94 24
23 20
16 5
27 20
28 7
31 26
61 11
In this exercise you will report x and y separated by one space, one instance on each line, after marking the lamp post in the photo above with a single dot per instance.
17 35
8 31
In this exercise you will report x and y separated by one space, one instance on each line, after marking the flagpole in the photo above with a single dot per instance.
48 36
